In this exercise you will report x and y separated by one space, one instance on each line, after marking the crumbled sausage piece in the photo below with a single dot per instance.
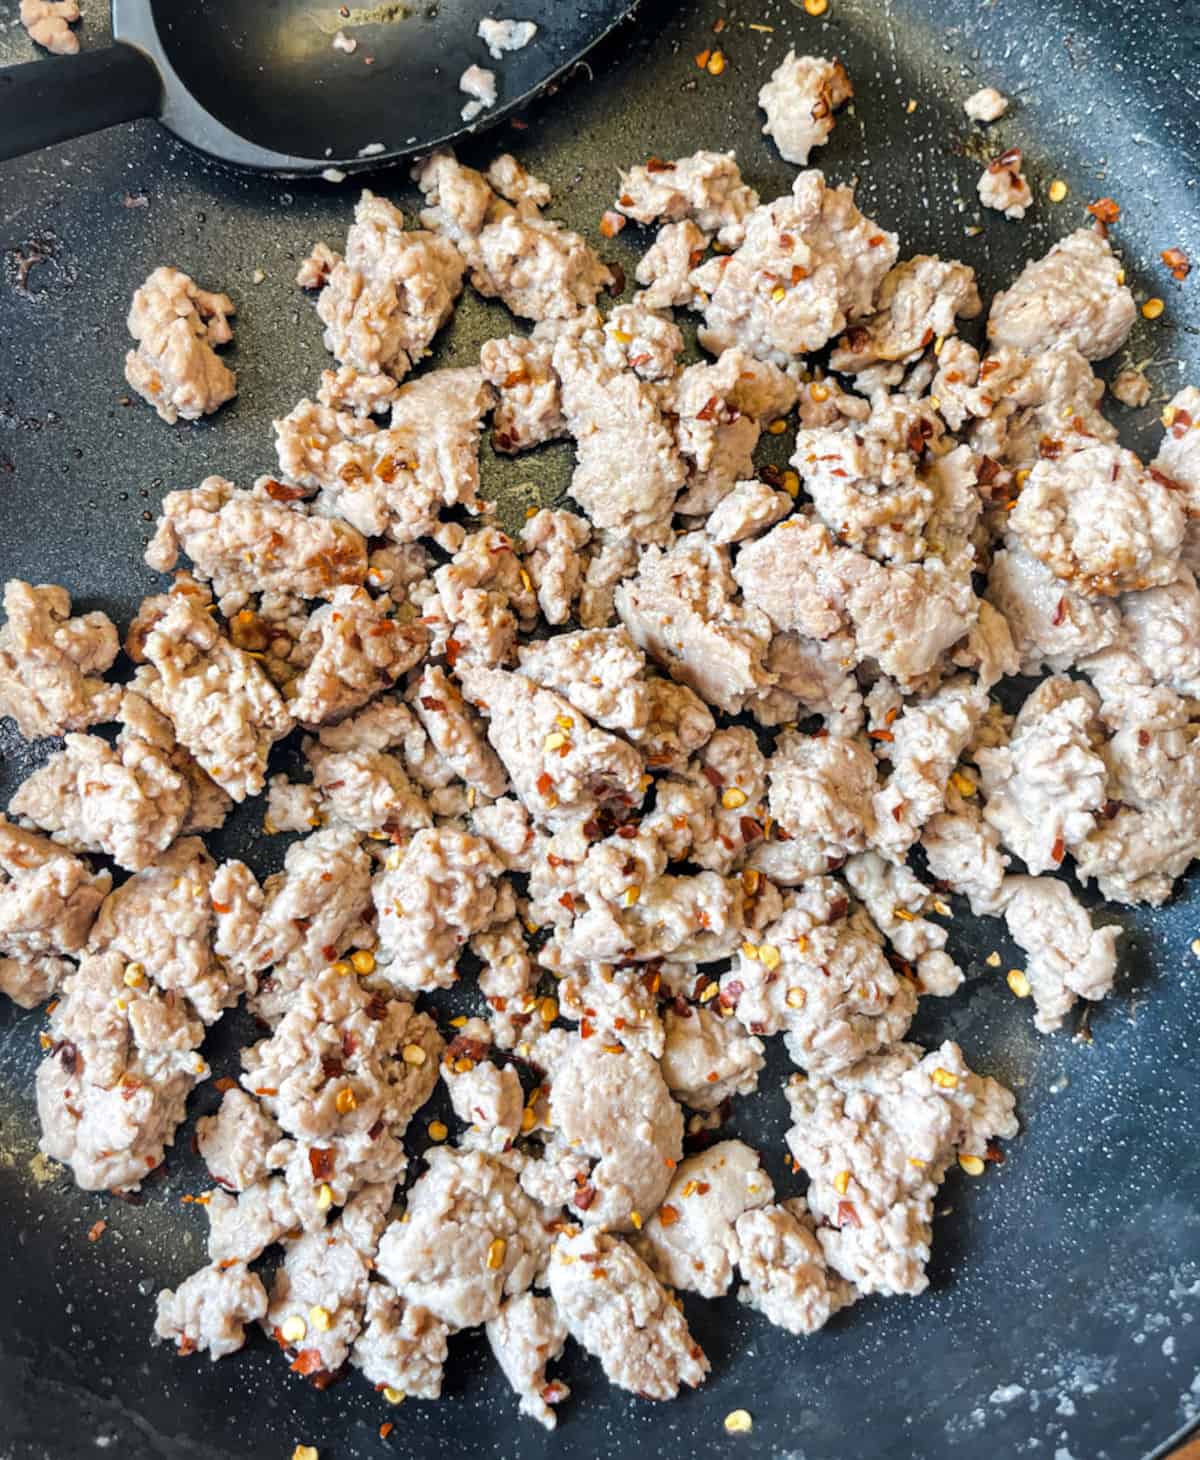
236 1142
122 1062
354 650
696 1248
987 105
241 1228
786 1276
501 36
244 542
617 1309
489 1099
482 597
963 851
525 1336
360 393
749 509
601 671
810 264
210 1309
1052 623
1131 388
800 100
706 1059
665 268
705 187
480 85
175 367
49 24
50 662
528 403
402 1346
1072 296
1003 186
48 902
896 899
455 733
320 1269
821 792
1066 957
876 1141
553 542
919 303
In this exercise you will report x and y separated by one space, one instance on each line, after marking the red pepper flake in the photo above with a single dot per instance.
331 1066
1049 448
185 1346
1105 210
1060 612
222 907
847 1213
611 224
329 952
1007 160
668 1215
431 703
306 1362
386 1429
544 784
68 1055
880 735
656 164
709 409
265 1090
97 1230
453 650
703 58
1143 738
321 1161
584 1197
1059 850
282 492
1164 480
718 25
751 831
712 777
1178 263
567 901
618 278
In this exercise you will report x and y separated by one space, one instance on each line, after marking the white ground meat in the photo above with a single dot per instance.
986 105
876 1142
51 663
707 1058
1003 186
665 268
600 671
356 649
236 1142
821 792
321 1269
815 246
800 100
401 1346
1066 958
689 1242
918 303
470 1238
1052 624
896 899
786 1277
501 36
553 543
223 707
48 902
617 1309
49 24
480 85
706 188
175 367
1072 296
455 732
209 1310
246 542
749 509
963 851
487 1098
121 1063
528 402
483 597
241 1228
527 1334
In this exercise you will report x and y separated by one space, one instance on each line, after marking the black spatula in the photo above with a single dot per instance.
259 83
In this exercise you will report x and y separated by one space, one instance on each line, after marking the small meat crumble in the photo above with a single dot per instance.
641 783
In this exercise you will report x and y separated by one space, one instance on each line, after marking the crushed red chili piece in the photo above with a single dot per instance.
1178 263
97 1230
283 492
321 1162
846 1213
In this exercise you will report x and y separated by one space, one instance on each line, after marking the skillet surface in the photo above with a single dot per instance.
1066 1286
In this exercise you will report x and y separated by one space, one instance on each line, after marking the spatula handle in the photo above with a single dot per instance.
53 99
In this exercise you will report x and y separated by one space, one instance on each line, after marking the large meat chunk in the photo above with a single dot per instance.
821 792
322 1273
560 765
223 707
430 898
50 663
525 1336
800 100
617 1309
1075 295
1161 628
613 1106
705 187
1067 958
601 671
161 921
665 268
385 300
49 24
128 802
553 543
236 1143
795 575
342 1075
876 1142
810 264
455 732
48 901
176 325
896 901
402 1346
528 402
919 303
963 852
248 542
786 1276
682 611
122 1062
241 1229
707 1059
689 1242
1052 624
210 1309
470 1238
483 596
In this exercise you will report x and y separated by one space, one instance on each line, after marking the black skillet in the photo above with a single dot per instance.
1064 1315
260 84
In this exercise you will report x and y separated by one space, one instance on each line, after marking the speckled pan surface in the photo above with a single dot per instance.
1064 1317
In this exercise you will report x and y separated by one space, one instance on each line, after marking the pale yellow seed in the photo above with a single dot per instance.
1019 984
1120 276
941 908
458 1022
716 63
341 968
495 1253
462 1066
631 895
362 961
791 483
1057 190
972 1165
733 798
911 105
305 1452
564 722
816 7
621 337
1153 308
738 1421
554 741
1168 415
344 1100
413 1054
549 1011
749 951
393 859
903 914
769 956
636 1219
819 392
393 1396
710 993
796 997
528 1120
938 344
917 1162
778 426
992 960
944 1079
134 976
320 1318
324 1197
779 293
437 1130
964 785
1196 947
293 1329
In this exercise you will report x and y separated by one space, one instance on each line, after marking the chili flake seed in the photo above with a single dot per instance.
362 961
779 293
631 895
437 1130
413 1054
903 914
917 1162
1196 947
305 1452
636 1219
972 1165
341 968
944 1079
738 1421
749 950
778 426
528 1119
554 741
393 859
294 1329
549 1011
495 1253
733 798
796 997
816 7
325 1197
841 1182
1057 190
964 785
1019 984
462 1066
769 956
716 63
344 1100
320 1318
1153 308
393 1396
134 976
45 1041
992 960
710 993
